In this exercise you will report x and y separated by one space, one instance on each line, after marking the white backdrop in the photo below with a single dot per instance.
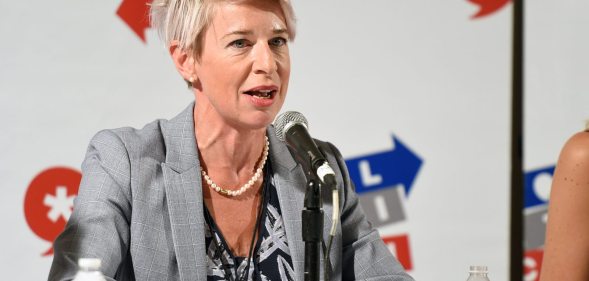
422 72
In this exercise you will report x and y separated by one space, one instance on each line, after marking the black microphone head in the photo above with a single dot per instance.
286 120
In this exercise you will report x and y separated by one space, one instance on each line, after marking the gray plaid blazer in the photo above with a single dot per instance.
140 210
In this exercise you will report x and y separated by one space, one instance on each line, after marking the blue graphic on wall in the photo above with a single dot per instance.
536 196
531 197
385 169
376 177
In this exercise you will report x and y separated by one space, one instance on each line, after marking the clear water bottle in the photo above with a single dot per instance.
478 273
89 270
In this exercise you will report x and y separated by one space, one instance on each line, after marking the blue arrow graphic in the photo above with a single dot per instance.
531 199
385 169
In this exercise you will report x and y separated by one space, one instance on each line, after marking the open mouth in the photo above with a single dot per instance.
261 94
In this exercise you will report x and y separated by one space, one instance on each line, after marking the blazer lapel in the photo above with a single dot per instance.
184 195
290 182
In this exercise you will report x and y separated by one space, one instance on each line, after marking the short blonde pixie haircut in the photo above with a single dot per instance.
186 20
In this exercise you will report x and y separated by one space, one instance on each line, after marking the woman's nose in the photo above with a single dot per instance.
264 60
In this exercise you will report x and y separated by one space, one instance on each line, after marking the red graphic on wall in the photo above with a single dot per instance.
135 13
399 246
49 201
487 7
533 264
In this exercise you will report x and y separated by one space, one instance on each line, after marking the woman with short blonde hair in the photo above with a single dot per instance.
213 194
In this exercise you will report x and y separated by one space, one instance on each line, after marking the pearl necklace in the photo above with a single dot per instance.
246 186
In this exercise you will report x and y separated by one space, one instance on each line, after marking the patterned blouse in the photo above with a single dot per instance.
271 259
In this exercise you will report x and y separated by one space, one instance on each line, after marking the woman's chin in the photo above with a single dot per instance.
257 121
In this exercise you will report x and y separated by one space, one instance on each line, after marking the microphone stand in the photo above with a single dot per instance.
312 219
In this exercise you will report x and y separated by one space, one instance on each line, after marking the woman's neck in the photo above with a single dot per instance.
226 147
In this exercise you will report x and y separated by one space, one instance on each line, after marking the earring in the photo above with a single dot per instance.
191 81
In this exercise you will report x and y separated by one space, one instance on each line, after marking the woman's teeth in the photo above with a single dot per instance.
266 94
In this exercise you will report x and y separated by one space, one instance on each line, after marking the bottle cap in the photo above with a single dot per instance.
89 263
478 269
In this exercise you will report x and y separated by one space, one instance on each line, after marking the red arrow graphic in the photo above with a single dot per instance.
487 7
135 13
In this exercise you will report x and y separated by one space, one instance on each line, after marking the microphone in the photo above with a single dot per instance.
291 127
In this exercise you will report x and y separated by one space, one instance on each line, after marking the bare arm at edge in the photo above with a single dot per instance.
566 251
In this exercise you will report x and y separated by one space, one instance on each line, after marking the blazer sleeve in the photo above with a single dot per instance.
364 254
99 225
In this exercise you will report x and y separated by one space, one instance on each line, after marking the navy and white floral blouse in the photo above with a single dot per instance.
271 259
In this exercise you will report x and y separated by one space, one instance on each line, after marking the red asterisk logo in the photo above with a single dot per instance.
49 201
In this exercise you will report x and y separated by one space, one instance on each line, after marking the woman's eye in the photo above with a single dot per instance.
239 43
278 41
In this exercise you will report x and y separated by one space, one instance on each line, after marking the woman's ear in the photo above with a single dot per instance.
184 62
